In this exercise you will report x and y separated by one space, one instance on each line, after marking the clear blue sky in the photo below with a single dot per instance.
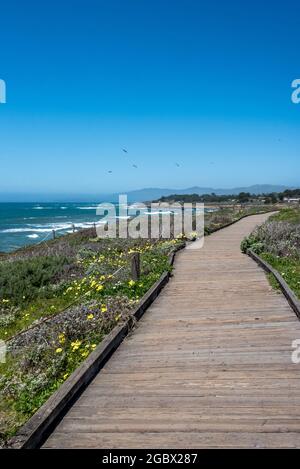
203 84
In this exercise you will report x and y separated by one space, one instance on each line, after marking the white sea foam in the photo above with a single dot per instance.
26 230
38 228
33 236
49 227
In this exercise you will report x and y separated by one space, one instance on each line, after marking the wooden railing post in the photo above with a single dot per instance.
135 266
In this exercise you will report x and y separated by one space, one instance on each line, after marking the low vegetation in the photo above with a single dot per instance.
278 242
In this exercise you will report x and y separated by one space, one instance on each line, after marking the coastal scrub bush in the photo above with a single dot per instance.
278 238
22 280
278 242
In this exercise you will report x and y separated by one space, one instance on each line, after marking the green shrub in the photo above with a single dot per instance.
22 280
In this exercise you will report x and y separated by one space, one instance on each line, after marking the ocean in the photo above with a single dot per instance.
23 224
30 223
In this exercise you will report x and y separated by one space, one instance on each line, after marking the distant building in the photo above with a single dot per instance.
292 200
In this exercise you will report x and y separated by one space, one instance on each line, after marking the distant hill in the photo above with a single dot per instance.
148 194
140 195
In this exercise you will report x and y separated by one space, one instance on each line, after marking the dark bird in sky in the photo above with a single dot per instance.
110 172
177 164
124 150
134 165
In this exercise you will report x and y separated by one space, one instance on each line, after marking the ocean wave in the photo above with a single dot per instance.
33 236
49 227
37 228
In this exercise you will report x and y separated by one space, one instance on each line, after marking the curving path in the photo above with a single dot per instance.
209 364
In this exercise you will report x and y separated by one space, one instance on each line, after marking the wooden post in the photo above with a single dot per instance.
135 266
53 231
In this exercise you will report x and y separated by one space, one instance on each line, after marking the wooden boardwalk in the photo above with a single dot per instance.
209 364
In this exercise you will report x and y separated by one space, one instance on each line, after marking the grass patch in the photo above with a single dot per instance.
290 215
288 268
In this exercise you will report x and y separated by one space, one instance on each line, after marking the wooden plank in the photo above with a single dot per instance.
171 440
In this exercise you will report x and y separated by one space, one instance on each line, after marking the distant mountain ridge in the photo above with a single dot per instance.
139 195
148 194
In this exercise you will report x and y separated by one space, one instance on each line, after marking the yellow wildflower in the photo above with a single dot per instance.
75 345
131 283
90 316
61 338
58 350
103 309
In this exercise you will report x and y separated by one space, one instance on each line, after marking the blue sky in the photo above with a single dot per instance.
206 85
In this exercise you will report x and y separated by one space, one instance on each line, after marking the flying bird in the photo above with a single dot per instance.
134 165
109 172
177 164
124 150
